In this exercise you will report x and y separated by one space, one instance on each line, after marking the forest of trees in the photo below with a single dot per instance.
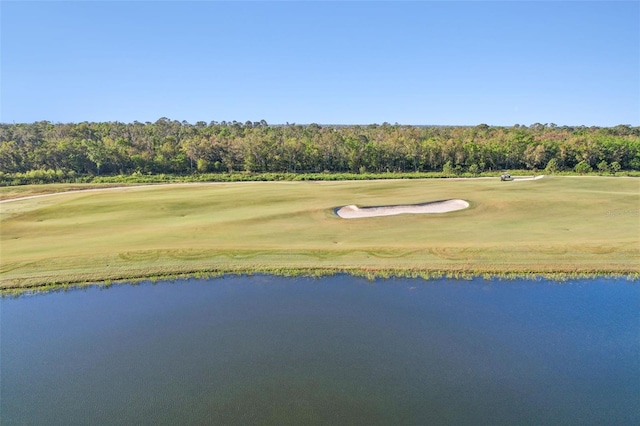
173 147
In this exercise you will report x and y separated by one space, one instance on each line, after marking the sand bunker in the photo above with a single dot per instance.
355 212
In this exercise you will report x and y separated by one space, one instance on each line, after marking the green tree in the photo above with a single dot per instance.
175 147
202 165
615 167
552 166
534 156
603 167
96 152
447 169
10 158
583 167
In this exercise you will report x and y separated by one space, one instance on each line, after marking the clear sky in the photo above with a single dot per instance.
447 63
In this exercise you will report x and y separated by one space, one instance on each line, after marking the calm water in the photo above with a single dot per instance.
341 350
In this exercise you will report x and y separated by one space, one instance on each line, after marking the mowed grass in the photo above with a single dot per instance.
11 192
553 225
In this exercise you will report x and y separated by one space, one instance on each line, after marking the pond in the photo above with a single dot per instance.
335 350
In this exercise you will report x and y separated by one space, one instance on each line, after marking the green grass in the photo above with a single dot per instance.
59 179
567 225
18 191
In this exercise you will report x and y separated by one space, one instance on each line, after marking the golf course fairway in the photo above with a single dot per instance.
564 225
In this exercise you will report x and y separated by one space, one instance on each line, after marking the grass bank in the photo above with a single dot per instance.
556 225
40 177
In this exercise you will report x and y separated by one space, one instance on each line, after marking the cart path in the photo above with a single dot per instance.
153 185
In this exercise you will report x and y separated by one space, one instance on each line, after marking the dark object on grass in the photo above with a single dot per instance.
506 177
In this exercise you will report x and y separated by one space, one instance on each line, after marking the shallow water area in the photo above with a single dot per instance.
335 350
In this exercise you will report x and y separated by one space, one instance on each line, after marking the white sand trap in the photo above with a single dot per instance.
355 212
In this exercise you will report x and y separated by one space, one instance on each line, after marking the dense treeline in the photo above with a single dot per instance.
173 147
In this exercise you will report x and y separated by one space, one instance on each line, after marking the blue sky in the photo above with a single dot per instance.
447 63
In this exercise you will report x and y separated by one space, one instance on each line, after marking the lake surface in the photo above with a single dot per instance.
338 350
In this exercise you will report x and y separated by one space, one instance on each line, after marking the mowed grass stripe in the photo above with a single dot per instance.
556 224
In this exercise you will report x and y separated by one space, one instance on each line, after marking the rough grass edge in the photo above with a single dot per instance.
368 273
28 178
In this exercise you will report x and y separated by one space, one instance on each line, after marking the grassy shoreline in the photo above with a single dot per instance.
556 226
369 274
